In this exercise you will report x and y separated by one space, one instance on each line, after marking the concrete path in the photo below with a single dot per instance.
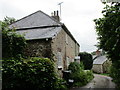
99 81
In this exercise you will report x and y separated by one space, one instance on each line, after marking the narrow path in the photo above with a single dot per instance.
99 81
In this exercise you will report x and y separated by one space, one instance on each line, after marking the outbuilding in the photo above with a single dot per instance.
101 64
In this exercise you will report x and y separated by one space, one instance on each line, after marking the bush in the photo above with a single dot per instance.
87 60
61 84
89 74
81 65
78 74
12 44
33 73
115 73
74 67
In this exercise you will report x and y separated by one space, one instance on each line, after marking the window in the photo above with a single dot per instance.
67 61
66 39
59 62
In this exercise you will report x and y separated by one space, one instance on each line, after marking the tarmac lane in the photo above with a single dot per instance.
100 82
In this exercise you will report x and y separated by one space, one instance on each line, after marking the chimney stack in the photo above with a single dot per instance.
55 15
98 53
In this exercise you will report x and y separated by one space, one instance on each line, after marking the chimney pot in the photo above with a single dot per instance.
54 13
98 53
57 13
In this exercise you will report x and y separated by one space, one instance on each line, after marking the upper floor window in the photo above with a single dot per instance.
66 38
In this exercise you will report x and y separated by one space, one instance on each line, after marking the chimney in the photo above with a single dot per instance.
98 53
55 15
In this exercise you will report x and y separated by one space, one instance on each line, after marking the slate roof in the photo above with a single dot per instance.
100 60
36 19
40 33
39 26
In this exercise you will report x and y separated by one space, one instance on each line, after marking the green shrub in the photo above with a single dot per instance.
81 65
78 74
34 73
61 84
115 73
87 60
89 74
12 44
74 67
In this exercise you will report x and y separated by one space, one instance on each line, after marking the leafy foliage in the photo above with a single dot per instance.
74 67
12 44
115 73
78 74
108 30
7 21
33 73
87 60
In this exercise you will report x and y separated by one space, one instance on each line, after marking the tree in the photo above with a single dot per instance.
7 21
108 30
86 58
13 44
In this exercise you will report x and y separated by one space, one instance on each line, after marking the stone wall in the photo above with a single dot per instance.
39 48
98 68
62 47
106 66
77 50
65 45
58 45
102 68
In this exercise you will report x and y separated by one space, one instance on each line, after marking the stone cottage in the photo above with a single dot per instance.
101 63
47 37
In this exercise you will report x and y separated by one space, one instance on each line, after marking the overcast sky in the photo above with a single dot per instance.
77 15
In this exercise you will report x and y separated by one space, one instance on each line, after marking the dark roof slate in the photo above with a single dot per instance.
100 60
36 19
39 25
40 33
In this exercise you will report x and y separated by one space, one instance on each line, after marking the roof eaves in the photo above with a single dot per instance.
38 27
39 38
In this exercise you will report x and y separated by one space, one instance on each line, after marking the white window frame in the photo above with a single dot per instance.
59 60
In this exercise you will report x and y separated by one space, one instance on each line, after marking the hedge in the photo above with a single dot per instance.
78 74
87 60
34 73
